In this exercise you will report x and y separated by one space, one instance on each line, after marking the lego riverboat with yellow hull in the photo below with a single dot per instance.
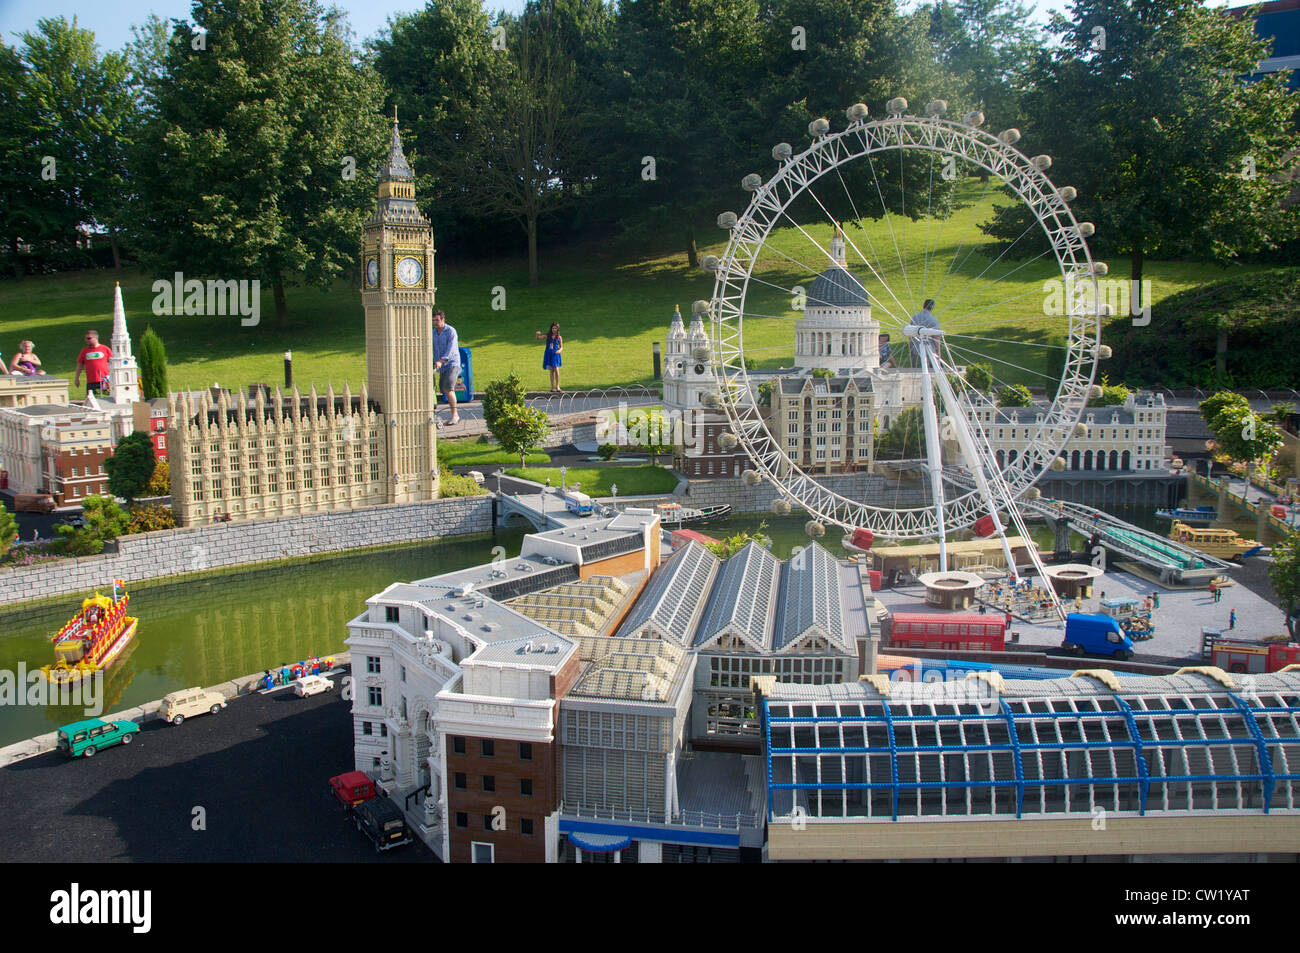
94 638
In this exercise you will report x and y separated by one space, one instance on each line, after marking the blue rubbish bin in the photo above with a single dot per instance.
464 389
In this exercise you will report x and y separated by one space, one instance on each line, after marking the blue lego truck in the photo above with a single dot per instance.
1096 635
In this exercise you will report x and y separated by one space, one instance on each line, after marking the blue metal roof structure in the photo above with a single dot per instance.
1186 743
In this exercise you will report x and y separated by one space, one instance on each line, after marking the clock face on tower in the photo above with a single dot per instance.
372 272
409 271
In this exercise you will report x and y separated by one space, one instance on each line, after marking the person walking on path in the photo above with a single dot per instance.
551 356
25 361
93 359
1232 618
446 360
1214 592
1155 600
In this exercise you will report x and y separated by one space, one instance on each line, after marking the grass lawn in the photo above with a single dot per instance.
631 481
612 307
471 451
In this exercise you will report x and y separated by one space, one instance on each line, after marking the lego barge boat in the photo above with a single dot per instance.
94 638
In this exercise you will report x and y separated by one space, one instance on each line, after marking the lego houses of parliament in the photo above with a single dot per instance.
270 453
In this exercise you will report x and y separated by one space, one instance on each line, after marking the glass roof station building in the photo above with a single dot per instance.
1096 766
587 702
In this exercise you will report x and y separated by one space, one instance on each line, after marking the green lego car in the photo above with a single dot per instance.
86 737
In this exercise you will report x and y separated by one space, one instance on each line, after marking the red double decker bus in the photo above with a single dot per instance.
969 632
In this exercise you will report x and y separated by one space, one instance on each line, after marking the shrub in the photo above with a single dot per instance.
148 517
607 451
160 484
452 484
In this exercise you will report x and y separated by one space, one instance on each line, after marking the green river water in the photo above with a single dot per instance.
219 627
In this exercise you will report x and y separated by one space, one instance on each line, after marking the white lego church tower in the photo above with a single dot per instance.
123 375
686 378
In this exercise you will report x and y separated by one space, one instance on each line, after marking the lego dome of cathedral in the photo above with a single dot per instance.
837 287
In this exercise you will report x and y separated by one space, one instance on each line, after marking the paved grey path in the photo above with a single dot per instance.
1178 621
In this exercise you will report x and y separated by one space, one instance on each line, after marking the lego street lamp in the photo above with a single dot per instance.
563 470
500 472
613 490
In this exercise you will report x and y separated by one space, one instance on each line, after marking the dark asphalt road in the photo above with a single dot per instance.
259 769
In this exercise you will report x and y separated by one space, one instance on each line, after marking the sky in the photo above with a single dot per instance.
112 19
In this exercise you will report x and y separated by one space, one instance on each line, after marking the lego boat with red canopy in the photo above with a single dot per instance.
94 638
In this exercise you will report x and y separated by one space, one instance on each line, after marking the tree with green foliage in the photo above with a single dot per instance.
30 209
733 544
255 162
104 520
980 377
521 429
131 466
607 451
1111 394
905 435
153 365
1143 108
1216 403
522 152
160 484
1284 574
986 45
656 434
87 117
1244 435
501 393
1015 395
822 372
8 530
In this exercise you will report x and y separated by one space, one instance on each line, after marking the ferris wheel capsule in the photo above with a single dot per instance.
857 112
1100 269
814 529
1104 352
727 441
780 507
896 106
751 182
819 127
782 151
699 306
727 220
1042 162
974 118
1094 392
1087 229
1068 193
751 478
1010 136
1033 493
936 108
709 263
1059 464
702 354
1081 429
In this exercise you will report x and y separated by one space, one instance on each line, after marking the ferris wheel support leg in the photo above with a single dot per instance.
932 451
977 466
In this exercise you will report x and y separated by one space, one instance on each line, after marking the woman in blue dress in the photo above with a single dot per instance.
551 356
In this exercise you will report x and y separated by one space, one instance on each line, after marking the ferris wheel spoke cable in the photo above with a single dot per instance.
966 231
929 217
902 204
967 352
973 337
865 260
889 220
963 319
857 216
970 283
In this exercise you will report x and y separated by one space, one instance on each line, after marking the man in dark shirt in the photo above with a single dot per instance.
93 359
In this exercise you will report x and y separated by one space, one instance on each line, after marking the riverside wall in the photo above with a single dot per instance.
194 549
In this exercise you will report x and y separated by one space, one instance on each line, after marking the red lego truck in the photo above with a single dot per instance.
1246 655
